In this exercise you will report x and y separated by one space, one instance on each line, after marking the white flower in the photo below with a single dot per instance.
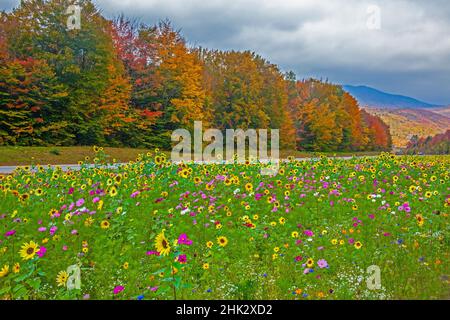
183 212
237 191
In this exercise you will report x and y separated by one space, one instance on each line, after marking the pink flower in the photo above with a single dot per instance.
298 258
42 229
156 253
96 199
53 229
135 194
118 289
80 202
322 263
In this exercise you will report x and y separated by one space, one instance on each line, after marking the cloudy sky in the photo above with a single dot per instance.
398 46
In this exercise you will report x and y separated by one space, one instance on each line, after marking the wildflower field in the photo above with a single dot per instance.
152 229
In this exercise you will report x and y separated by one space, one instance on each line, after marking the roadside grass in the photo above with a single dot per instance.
15 156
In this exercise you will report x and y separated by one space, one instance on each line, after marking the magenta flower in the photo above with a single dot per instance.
156 253
10 233
308 233
42 229
182 258
41 252
80 202
183 239
118 289
96 199
298 258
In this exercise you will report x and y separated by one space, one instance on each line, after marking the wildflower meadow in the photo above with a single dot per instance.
325 228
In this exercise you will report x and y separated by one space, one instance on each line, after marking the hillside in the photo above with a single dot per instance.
374 98
404 123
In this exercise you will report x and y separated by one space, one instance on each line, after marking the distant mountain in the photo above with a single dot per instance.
370 97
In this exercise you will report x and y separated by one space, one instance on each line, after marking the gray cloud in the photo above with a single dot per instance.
409 55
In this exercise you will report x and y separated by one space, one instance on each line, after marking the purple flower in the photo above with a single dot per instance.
322 263
80 202
118 289
96 199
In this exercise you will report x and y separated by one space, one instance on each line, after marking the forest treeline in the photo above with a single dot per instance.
438 144
123 83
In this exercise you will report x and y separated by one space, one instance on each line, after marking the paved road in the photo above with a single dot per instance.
66 167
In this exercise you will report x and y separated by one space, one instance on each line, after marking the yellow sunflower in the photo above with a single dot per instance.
105 224
16 267
162 245
61 278
4 271
222 241
29 250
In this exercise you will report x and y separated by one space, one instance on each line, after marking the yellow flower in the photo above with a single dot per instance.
334 241
16 267
29 250
209 244
105 224
420 220
222 241
206 266
310 263
358 245
282 220
85 250
294 234
276 249
88 222
61 278
218 226
4 271
162 244
113 191
125 265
